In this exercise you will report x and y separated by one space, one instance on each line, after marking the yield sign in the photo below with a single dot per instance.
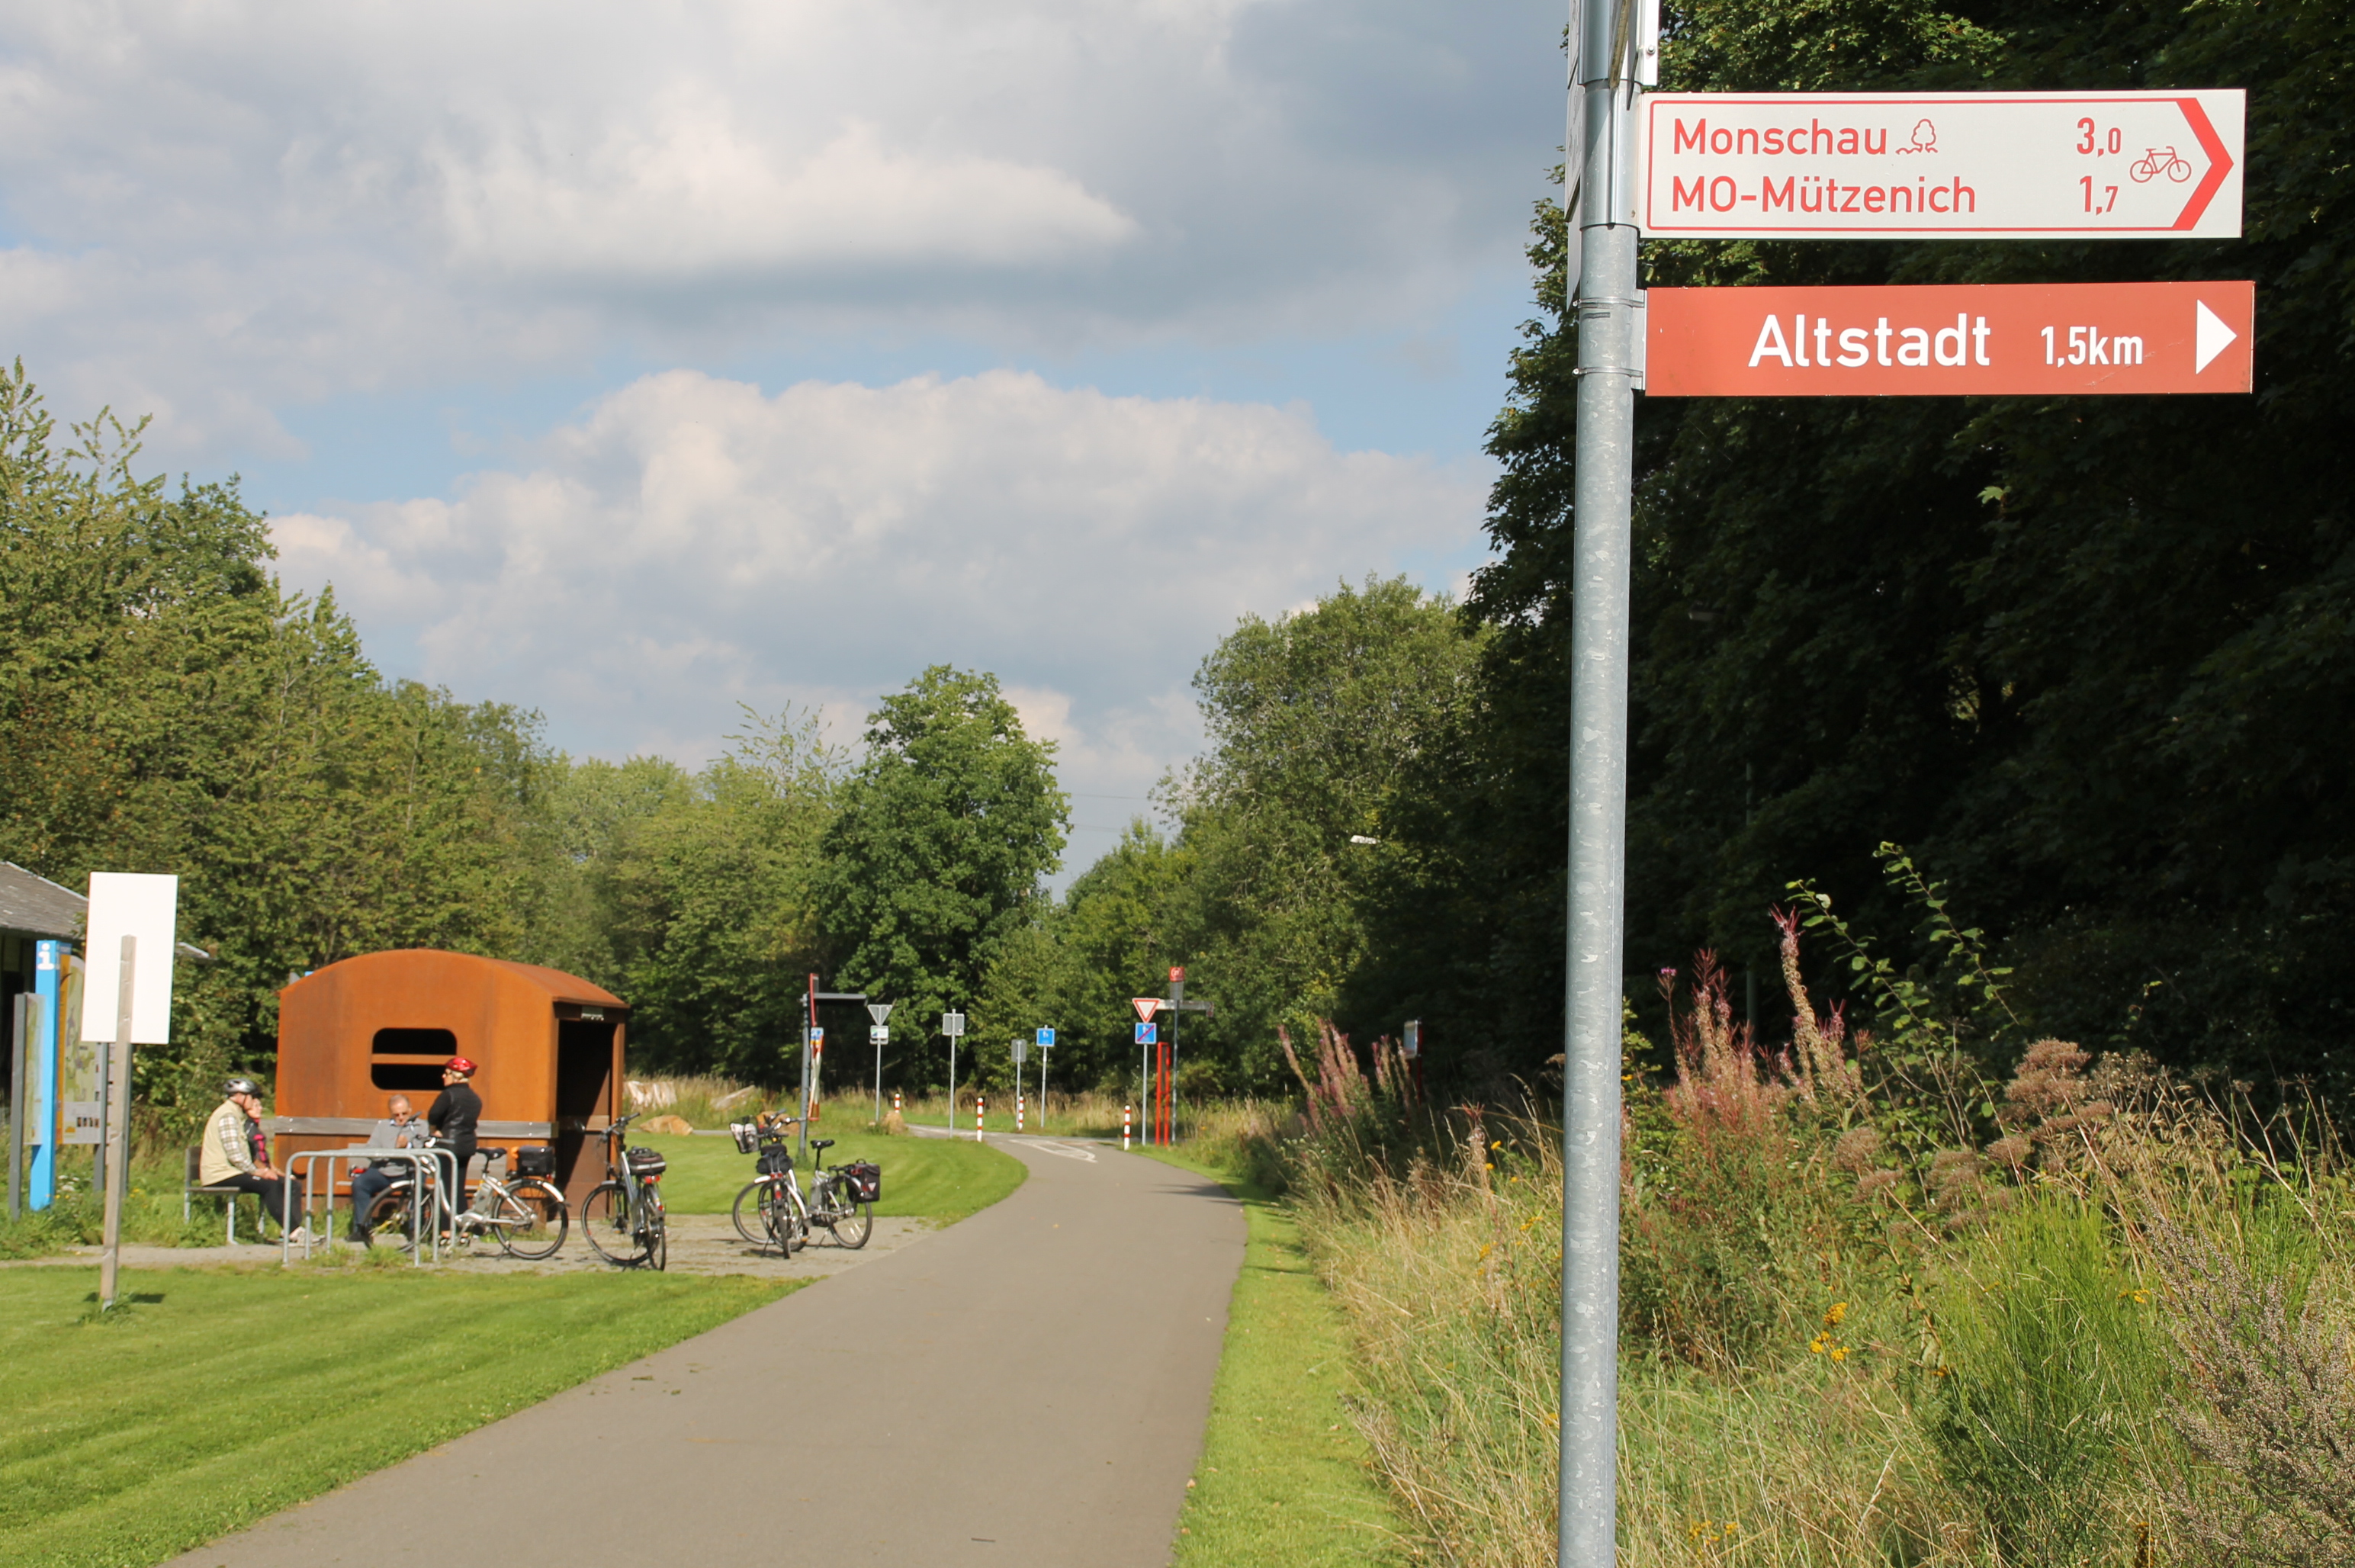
1147 1006
1980 166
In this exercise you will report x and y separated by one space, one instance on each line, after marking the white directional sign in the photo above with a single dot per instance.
876 1034
952 1024
1976 165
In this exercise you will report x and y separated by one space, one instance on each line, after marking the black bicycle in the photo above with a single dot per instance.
622 1215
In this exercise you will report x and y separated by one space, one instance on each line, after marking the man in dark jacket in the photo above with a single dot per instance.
454 1115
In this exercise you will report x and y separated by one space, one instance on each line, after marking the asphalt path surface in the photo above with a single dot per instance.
1028 1386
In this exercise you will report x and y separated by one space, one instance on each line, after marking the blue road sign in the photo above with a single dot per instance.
1149 1034
1046 1037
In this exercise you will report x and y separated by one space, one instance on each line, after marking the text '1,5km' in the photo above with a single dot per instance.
1980 166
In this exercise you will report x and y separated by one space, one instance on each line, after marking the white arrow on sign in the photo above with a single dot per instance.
1977 166
2210 336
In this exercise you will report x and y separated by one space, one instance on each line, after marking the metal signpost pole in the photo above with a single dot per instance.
1614 47
118 1130
809 1022
878 1037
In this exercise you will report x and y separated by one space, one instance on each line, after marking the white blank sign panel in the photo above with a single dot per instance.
125 904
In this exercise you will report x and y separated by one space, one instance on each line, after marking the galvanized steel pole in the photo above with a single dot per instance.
1614 44
118 1130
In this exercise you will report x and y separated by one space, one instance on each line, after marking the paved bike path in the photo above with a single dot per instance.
1029 1386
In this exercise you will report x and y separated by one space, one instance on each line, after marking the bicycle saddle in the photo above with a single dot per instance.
821 1145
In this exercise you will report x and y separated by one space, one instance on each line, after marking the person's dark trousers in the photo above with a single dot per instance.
367 1186
465 1153
278 1197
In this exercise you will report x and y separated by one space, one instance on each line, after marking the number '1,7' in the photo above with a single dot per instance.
2110 199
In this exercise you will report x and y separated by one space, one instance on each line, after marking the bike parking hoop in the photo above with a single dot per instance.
304 1169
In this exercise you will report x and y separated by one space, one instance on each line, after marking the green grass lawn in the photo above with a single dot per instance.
1284 1479
933 1178
223 1395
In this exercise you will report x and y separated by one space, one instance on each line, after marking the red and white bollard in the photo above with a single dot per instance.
1019 1106
1123 1128
979 1106
895 1099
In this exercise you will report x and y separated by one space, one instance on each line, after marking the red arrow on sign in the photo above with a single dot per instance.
2219 161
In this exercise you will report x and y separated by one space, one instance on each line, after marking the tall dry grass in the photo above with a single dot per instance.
2114 1329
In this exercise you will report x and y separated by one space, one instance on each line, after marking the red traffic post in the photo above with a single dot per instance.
2007 340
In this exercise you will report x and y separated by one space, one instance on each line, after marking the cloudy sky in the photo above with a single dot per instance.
632 361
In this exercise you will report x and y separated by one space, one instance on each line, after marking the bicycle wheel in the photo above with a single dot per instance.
750 1213
605 1221
654 1224
777 1216
533 1221
792 1217
853 1221
388 1216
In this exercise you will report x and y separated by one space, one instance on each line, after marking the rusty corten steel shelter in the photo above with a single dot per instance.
548 1047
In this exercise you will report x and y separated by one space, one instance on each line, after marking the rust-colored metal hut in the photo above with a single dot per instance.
548 1047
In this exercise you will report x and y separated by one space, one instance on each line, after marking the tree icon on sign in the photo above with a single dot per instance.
1925 138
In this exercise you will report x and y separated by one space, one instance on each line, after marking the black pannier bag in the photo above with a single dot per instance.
774 1160
866 1179
534 1160
645 1162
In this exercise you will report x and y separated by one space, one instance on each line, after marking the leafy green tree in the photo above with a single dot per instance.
164 706
706 889
2077 654
946 829
1314 721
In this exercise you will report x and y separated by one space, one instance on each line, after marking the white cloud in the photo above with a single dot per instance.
692 196
271 204
693 542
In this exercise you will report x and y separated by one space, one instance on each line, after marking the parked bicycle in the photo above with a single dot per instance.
622 1215
525 1214
772 1210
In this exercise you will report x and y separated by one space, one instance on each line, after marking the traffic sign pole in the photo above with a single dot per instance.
1617 51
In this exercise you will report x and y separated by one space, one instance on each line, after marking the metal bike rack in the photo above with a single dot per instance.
427 1238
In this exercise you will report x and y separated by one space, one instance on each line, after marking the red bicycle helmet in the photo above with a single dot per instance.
459 1065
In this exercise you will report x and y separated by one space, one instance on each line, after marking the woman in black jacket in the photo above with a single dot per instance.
454 1115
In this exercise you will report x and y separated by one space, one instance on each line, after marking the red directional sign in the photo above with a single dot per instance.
2009 340
1981 166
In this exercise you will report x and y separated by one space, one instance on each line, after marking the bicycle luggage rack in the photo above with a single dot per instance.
424 1238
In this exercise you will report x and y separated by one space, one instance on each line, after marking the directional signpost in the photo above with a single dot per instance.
878 1034
1045 1044
1990 165
952 1025
1976 165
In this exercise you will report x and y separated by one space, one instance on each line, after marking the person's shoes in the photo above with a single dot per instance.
360 1237
299 1236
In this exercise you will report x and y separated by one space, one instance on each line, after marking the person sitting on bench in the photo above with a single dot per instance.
400 1129
236 1155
